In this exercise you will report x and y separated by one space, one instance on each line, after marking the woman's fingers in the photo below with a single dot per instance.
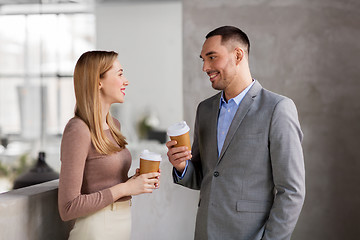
151 175
151 181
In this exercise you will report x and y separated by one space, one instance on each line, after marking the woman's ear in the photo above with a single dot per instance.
100 85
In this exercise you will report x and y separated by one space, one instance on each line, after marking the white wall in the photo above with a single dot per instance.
148 38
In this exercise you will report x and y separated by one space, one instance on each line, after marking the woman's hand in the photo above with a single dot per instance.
137 173
137 184
144 183
157 185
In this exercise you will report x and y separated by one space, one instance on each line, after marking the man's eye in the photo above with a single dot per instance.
212 57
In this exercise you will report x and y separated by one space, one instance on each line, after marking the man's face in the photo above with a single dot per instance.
219 63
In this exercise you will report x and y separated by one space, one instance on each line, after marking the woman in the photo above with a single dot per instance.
94 187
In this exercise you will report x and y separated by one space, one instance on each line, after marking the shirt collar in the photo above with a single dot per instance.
238 98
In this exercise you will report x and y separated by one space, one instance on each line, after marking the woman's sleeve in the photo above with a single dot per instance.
75 146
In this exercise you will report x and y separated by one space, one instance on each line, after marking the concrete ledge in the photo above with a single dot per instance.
32 213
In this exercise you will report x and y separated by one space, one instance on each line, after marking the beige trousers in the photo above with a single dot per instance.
110 223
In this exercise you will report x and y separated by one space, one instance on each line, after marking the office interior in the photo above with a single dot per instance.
302 49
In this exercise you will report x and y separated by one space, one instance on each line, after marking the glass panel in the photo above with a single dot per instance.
12 38
9 105
38 53
59 103
43 42
67 102
40 50
77 36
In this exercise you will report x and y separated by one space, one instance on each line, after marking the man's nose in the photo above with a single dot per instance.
205 67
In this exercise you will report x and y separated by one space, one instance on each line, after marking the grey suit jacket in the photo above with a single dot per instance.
256 188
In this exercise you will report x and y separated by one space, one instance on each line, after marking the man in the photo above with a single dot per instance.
246 156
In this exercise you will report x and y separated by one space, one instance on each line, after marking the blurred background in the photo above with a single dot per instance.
40 44
306 50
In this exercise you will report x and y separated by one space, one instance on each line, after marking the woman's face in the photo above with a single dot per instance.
113 84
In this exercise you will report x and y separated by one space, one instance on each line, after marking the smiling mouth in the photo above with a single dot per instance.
122 90
213 75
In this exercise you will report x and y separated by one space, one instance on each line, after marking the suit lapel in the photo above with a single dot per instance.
215 112
239 115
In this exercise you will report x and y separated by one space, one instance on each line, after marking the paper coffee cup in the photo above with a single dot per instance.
180 132
149 162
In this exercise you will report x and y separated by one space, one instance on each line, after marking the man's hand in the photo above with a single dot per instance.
178 155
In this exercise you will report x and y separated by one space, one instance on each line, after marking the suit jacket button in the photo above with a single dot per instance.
216 174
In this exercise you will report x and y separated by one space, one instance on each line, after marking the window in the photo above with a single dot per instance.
38 53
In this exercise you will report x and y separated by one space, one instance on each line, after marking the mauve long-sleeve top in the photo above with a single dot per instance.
86 175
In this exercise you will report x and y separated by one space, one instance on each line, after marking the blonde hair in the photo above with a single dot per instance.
89 69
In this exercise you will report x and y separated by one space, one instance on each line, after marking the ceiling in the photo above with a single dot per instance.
15 2
15 7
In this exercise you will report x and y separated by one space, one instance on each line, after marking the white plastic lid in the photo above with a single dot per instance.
178 129
151 156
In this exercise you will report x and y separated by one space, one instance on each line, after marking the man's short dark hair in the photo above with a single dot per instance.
230 32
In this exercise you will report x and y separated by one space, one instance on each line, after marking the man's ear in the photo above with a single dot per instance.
239 55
